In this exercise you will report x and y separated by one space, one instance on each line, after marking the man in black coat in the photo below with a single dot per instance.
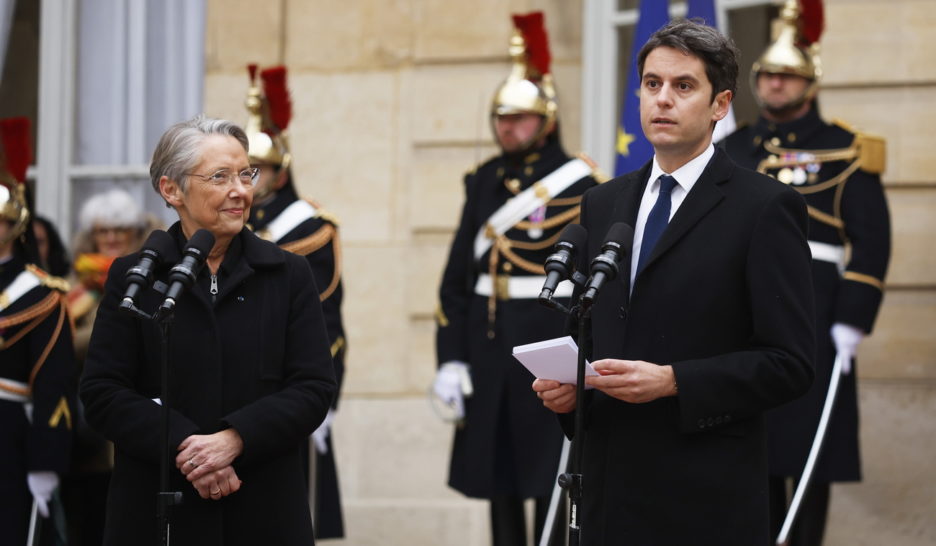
302 227
709 324
507 446
838 173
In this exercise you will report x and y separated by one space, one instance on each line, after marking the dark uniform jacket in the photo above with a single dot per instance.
725 299
510 443
317 239
42 360
853 212
254 357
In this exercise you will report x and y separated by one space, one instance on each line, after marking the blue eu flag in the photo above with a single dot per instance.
703 9
633 149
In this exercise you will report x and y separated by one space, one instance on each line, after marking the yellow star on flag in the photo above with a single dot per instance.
623 142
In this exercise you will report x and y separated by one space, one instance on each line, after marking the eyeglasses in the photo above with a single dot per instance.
247 177
108 230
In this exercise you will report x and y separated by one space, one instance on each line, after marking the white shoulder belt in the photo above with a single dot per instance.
524 203
23 283
293 215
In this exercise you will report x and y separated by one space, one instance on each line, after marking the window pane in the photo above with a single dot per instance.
627 4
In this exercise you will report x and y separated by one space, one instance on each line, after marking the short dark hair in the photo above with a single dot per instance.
694 37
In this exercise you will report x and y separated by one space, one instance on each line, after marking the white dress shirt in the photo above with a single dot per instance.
686 177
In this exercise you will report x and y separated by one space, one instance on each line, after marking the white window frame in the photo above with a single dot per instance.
55 169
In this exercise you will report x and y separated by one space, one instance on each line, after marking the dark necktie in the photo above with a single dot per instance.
657 221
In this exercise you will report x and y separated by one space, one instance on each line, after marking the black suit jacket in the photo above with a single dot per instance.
726 299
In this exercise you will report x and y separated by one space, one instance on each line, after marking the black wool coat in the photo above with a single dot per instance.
255 359
726 299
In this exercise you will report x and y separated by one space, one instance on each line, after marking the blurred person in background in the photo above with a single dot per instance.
303 227
53 256
507 445
37 367
838 172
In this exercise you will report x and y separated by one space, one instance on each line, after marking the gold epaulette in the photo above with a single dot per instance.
49 281
872 149
600 176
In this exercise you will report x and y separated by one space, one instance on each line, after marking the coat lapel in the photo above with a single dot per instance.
626 207
703 197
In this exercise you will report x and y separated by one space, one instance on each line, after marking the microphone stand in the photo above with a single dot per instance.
572 480
165 498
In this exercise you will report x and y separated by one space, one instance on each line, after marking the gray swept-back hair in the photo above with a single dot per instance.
177 152
717 52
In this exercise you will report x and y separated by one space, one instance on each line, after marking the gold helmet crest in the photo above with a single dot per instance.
268 114
15 159
795 46
529 88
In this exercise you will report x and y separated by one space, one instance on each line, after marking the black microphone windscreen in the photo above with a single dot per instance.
575 235
202 241
160 242
621 234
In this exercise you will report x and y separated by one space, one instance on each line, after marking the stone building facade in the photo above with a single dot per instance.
390 103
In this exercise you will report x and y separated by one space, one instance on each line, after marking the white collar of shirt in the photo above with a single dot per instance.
686 177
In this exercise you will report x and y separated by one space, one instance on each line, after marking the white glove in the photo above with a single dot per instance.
42 484
320 435
452 383
846 339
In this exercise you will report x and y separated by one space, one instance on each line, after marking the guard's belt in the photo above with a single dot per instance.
12 390
824 252
521 287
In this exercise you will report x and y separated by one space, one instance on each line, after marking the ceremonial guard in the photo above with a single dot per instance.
507 445
300 226
37 368
837 170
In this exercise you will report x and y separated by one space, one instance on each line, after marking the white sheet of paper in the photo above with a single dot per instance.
552 359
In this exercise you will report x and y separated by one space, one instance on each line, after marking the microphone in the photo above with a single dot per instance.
182 275
605 265
561 264
140 276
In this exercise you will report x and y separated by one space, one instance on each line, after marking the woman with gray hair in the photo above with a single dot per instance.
249 357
